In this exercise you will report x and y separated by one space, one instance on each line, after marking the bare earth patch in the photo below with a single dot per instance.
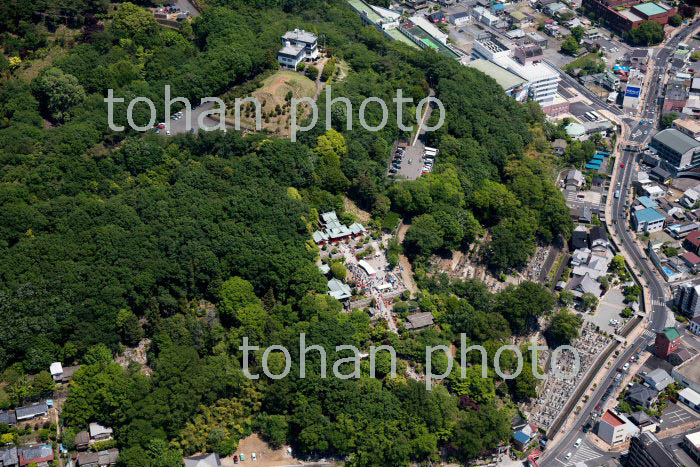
266 456
363 217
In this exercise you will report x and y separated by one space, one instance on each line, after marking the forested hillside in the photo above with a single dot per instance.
108 237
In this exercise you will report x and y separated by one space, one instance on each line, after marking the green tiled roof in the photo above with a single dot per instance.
672 333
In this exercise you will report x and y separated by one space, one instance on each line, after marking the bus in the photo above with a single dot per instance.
617 193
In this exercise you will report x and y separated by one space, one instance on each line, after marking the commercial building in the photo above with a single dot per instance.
677 150
688 373
615 428
689 127
691 443
297 46
648 220
690 398
666 342
647 451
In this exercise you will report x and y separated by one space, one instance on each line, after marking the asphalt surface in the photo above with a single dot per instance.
658 314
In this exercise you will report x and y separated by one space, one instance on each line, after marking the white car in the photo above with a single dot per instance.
167 133
252 456
568 456
626 366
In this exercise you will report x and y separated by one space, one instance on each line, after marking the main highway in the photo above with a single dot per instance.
636 258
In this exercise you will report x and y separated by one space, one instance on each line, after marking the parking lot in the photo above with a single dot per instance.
610 306
675 416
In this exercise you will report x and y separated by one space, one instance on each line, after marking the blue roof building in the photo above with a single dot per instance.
647 202
648 220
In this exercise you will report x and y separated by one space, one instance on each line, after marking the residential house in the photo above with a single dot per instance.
82 440
203 460
575 177
9 457
691 260
615 428
595 267
98 459
676 97
31 411
419 320
689 198
641 395
579 237
643 421
658 379
297 46
690 398
582 215
660 174
599 239
62 374
35 454
666 342
653 192
692 241
559 147
580 257
7 418
642 181
99 432
524 435
680 231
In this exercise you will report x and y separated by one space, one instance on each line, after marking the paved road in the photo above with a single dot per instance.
659 313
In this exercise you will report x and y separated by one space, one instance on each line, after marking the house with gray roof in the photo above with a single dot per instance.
99 432
98 459
7 418
9 457
35 454
642 395
333 230
31 411
658 379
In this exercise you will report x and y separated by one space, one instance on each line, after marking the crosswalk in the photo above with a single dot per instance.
583 454
648 333
658 302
